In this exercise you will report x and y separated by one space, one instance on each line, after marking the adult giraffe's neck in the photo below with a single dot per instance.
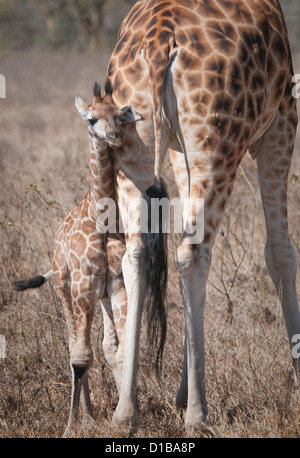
102 184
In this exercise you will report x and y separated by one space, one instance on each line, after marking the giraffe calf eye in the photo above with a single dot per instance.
92 121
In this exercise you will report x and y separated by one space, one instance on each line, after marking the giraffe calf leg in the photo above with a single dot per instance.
81 355
80 390
78 375
85 396
110 341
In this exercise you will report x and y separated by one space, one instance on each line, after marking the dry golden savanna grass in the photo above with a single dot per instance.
44 172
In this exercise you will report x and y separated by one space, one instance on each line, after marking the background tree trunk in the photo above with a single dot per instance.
88 16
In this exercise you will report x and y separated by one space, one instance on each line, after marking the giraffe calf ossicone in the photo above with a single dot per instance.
87 263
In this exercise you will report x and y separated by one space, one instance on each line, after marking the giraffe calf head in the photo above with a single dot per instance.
104 118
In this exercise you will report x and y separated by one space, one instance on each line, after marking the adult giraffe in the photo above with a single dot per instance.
212 79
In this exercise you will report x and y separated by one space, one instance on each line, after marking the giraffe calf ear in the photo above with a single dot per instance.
81 107
130 115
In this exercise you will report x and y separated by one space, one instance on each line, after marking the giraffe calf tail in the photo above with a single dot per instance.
34 282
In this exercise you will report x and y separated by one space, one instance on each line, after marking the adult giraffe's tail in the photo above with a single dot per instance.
154 270
34 282
153 257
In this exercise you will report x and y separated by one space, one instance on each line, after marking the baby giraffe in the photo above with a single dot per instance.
87 262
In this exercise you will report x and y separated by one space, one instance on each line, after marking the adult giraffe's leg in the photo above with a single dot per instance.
137 266
126 411
127 407
181 397
273 162
209 186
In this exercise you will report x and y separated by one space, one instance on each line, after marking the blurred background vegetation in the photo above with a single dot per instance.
80 24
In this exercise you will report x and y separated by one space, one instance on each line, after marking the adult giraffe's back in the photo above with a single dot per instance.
212 79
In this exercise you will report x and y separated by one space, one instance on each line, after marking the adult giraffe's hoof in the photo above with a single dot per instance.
194 421
200 430
125 416
198 425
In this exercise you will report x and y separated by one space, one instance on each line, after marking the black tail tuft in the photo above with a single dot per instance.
154 269
35 282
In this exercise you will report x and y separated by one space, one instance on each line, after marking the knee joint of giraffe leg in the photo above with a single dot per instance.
202 255
81 357
189 256
133 250
281 259
184 257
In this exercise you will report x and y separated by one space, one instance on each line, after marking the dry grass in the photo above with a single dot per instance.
44 157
